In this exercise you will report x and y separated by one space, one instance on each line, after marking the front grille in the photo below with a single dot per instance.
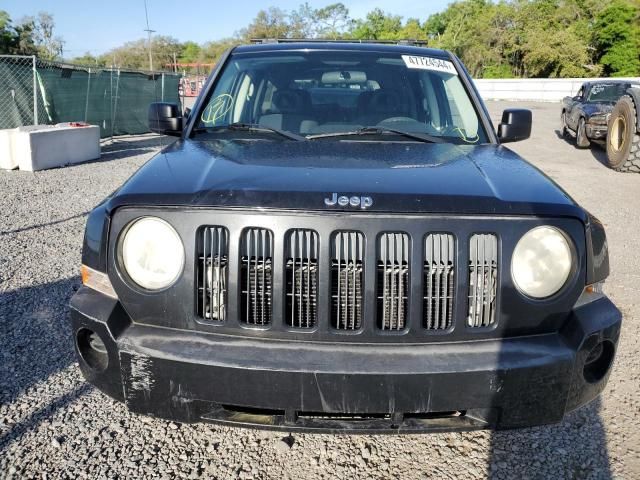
256 276
301 278
438 283
483 280
314 280
393 281
347 259
213 243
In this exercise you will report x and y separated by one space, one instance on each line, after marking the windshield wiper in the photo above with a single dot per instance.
423 137
253 127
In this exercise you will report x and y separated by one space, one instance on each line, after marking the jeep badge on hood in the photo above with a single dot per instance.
343 201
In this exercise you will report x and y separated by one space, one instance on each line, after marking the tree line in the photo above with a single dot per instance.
30 36
495 39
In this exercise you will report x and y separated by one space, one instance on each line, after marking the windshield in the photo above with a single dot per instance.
601 92
316 94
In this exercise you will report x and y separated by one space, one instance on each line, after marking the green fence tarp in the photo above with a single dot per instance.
16 91
116 100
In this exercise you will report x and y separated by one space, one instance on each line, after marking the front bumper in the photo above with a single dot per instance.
596 131
190 377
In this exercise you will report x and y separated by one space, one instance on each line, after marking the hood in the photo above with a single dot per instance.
398 176
598 107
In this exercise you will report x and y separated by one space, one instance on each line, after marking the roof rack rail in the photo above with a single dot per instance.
344 40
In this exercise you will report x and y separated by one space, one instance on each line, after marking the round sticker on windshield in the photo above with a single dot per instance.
218 107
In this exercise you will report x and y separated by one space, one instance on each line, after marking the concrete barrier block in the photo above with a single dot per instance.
50 146
7 159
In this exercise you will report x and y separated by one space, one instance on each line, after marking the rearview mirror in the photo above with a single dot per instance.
515 125
165 118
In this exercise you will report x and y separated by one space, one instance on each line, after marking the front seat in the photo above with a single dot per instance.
291 110
382 104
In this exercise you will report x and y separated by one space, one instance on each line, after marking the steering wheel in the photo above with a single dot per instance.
398 120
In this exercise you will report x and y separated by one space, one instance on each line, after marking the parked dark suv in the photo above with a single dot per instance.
339 242
586 115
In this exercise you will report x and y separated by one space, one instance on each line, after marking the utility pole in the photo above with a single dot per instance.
175 63
149 32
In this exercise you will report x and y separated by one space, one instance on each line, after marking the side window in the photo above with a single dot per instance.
217 111
241 106
430 101
580 93
267 99
463 116
449 110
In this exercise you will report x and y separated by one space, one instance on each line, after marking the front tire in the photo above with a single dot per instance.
581 134
623 140
563 124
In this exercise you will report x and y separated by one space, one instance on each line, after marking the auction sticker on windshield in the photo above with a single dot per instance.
429 63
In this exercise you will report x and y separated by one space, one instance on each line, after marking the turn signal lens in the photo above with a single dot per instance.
97 281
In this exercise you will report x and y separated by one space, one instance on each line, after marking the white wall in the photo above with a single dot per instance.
537 89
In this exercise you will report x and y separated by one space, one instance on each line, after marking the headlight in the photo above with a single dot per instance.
152 253
541 262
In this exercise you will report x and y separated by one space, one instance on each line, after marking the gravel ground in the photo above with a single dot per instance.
53 425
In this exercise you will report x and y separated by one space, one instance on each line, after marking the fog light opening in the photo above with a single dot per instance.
598 361
92 349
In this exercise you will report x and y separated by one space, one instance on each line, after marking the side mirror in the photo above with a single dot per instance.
515 125
165 118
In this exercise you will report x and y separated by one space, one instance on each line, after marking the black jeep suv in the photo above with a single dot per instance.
339 242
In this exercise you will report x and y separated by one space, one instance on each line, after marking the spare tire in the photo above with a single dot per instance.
623 140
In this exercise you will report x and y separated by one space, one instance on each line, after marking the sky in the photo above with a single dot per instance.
96 27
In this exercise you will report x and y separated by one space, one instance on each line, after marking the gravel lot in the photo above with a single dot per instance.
52 424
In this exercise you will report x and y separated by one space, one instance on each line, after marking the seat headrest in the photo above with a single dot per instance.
363 101
291 101
386 101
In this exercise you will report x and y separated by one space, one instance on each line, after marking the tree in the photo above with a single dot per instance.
494 38
270 23
529 38
135 54
617 37
89 60
7 34
302 22
412 30
212 51
190 52
16 40
42 27
25 43
378 25
333 20
435 25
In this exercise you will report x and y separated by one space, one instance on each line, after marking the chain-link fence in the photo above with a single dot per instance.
35 92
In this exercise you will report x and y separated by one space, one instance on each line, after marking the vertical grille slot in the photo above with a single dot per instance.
393 281
301 278
212 276
483 279
347 255
256 276
439 281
